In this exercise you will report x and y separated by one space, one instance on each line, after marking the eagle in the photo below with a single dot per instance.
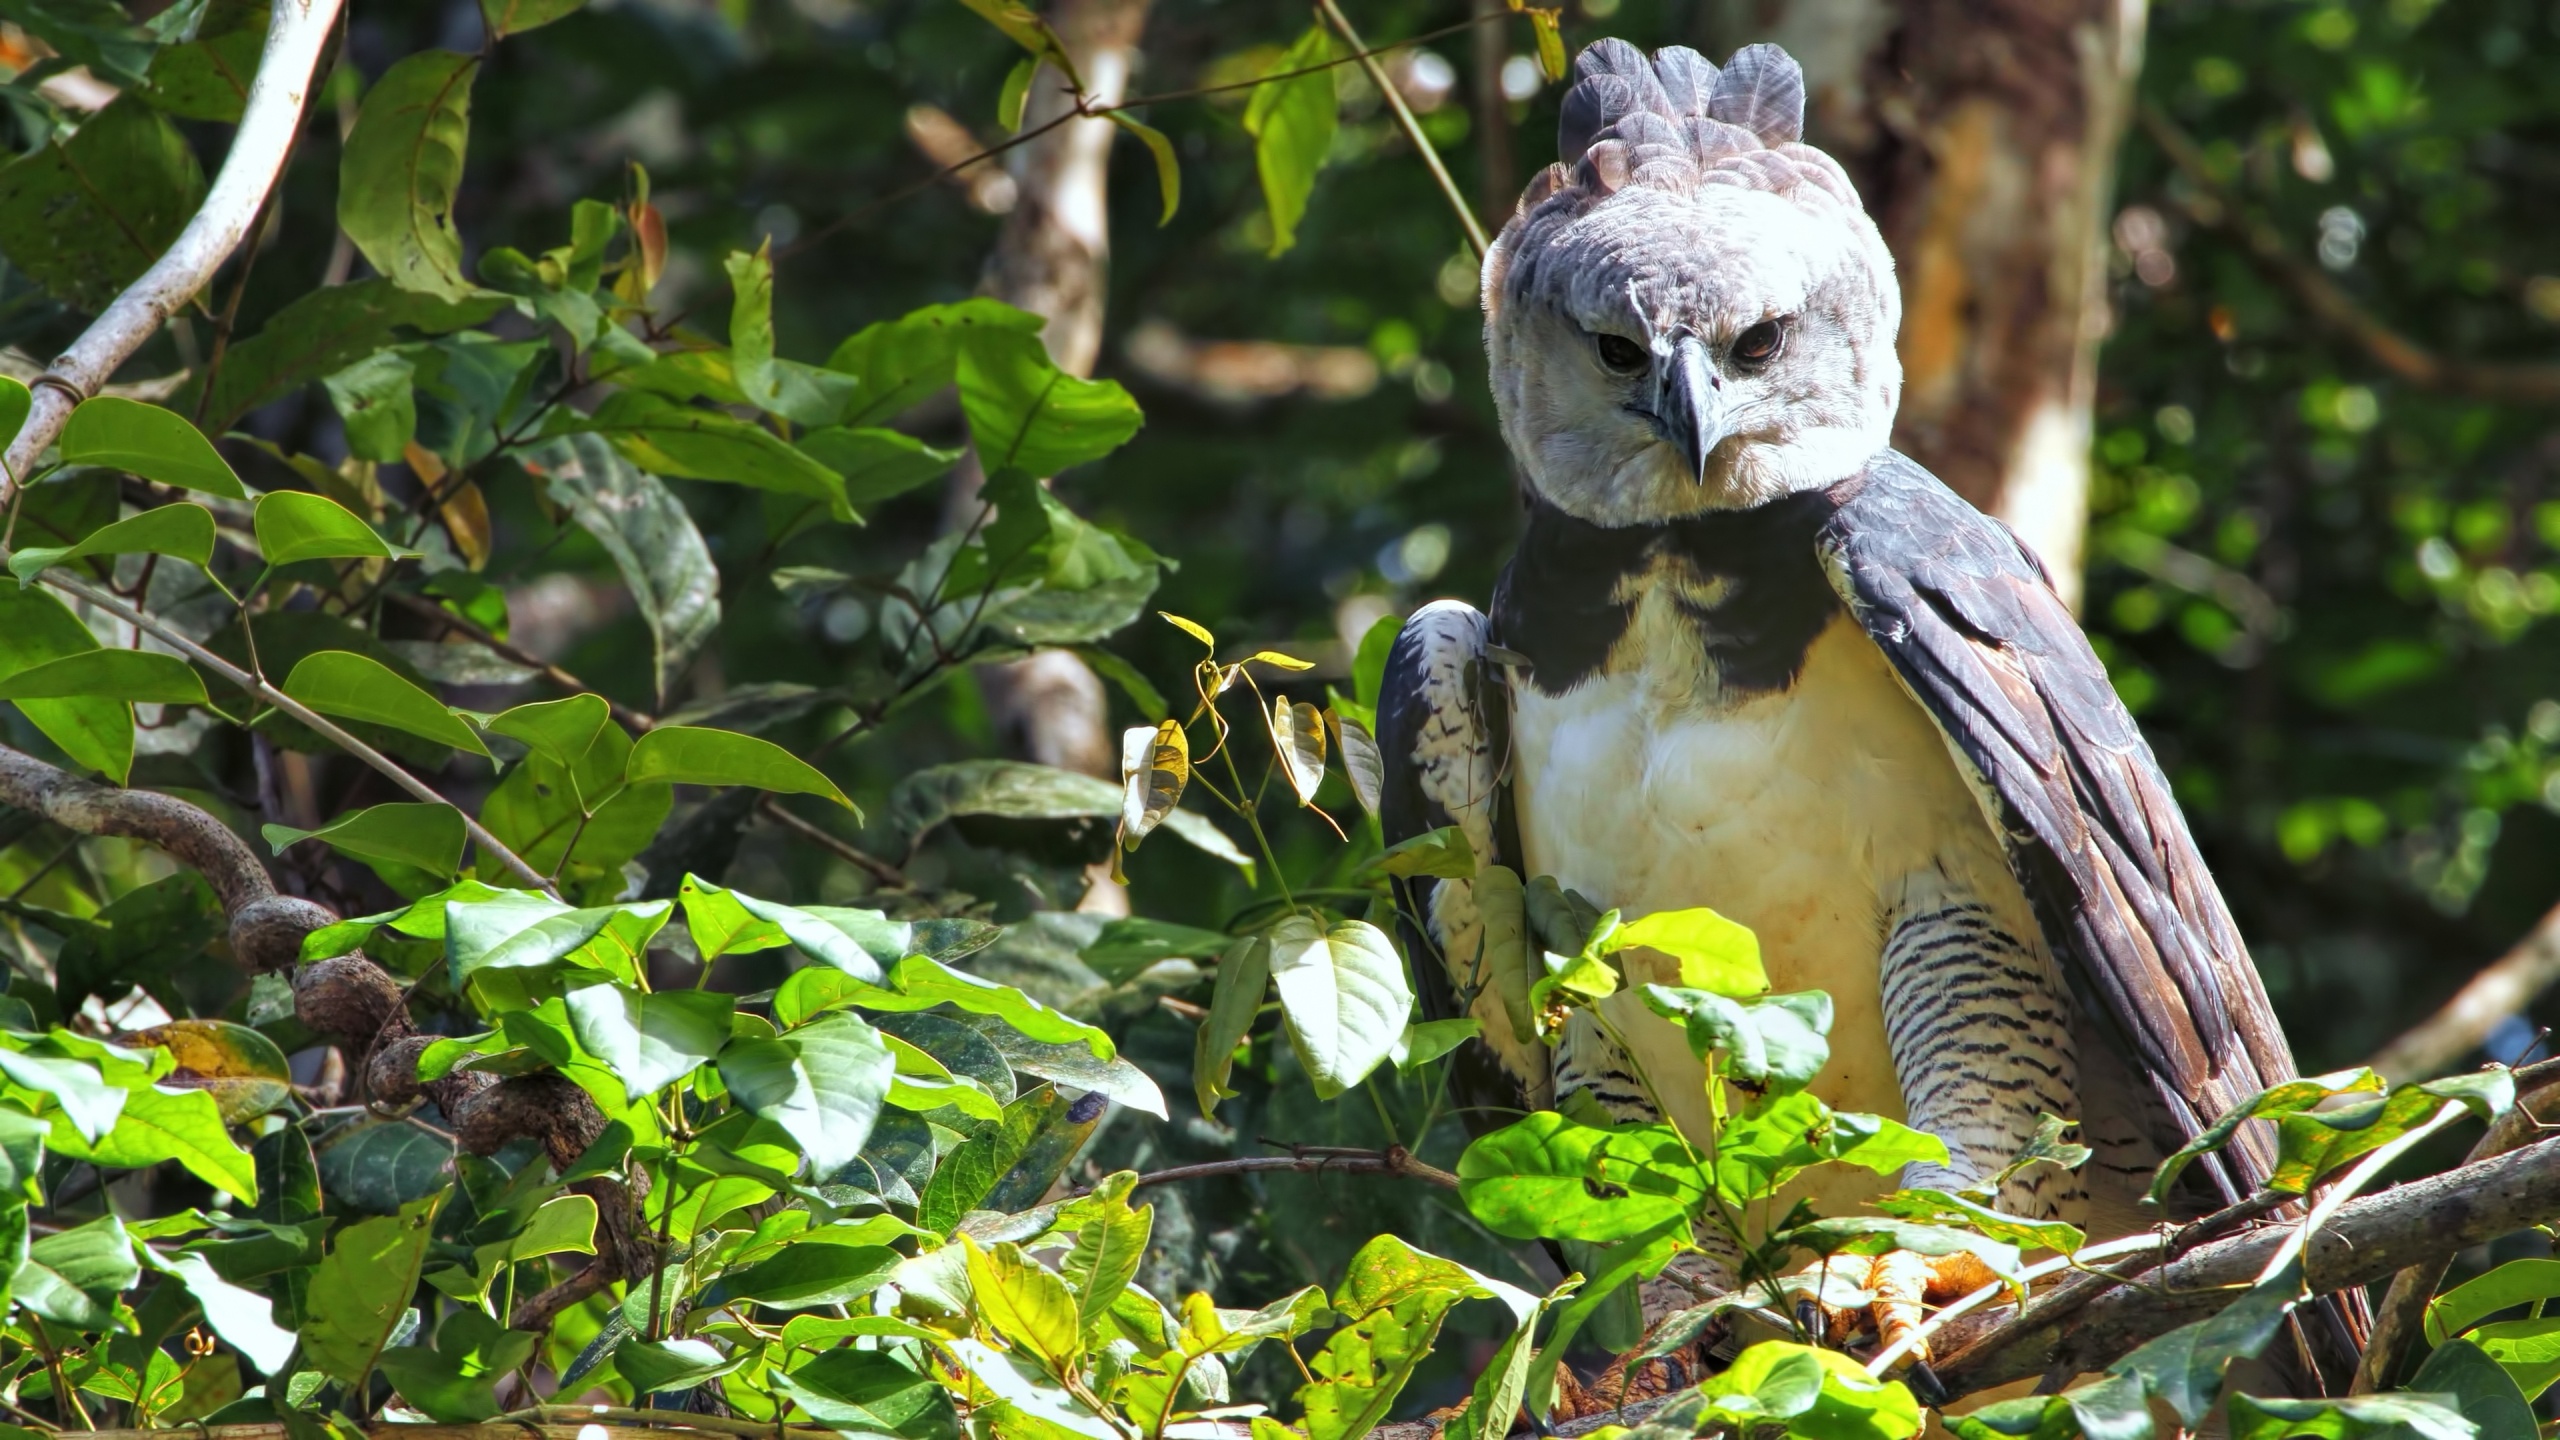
1748 657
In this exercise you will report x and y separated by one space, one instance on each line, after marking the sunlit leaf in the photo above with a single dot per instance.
1343 995
688 755
1292 123
182 531
293 526
358 687
128 675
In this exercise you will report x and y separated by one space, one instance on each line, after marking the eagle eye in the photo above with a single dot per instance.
1761 343
1622 354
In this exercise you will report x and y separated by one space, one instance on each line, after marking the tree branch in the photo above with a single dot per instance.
2332 306
2414 1224
420 605
272 116
2460 1025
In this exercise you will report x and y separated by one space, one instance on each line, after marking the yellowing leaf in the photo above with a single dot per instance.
1297 738
1155 765
1026 1303
1191 628
1285 662
1715 954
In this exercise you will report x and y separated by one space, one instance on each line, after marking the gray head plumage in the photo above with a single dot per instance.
1686 210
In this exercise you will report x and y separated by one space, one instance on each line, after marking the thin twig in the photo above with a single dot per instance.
269 122
328 730
1412 127
1087 111
421 605
1394 1160
772 809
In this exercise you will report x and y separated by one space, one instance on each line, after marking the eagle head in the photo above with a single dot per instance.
1692 310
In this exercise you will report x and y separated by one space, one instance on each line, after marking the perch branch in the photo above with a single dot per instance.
2414 1224
271 117
2460 1025
2334 307
2396 1321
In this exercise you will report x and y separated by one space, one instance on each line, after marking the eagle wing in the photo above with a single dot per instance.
1974 628
1443 737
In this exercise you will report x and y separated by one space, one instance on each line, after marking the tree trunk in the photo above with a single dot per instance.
1983 135
1052 259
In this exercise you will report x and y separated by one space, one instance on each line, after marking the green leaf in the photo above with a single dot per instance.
159 1125
1941 1208
859 943
1020 790
73 1277
377 400
244 1071
1343 995
1132 944
561 731
665 565
456 1382
359 1292
1546 1176
126 675
1027 415
244 1318
686 442
378 1166
400 168
1392 1300
1109 1245
2518 1282
1014 92
84 217
823 1082
96 733
1026 1303
1714 954
809 1274
1776 1141
1075 1065
876 465
1443 852
321 333
295 525
516 929
1292 124
661 1366
357 687
1778 1043
2314 1143
1820 1394
2351 1417
2529 1350
146 440
2184 1368
206 75
868 1393
182 531
653 1040
2480 1388
1244 976
2276 1100
514 17
686 755
802 394
1160 149
923 982
1431 1039
1030 32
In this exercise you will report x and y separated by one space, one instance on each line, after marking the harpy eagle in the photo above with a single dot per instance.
1749 657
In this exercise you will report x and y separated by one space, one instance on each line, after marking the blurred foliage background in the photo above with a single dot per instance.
2322 572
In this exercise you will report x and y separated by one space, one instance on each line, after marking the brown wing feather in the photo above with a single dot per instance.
2095 835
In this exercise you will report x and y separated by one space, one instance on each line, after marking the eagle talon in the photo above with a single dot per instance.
1809 1318
1925 1384
1898 1287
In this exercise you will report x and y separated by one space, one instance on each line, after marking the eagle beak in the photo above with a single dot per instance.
1689 399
